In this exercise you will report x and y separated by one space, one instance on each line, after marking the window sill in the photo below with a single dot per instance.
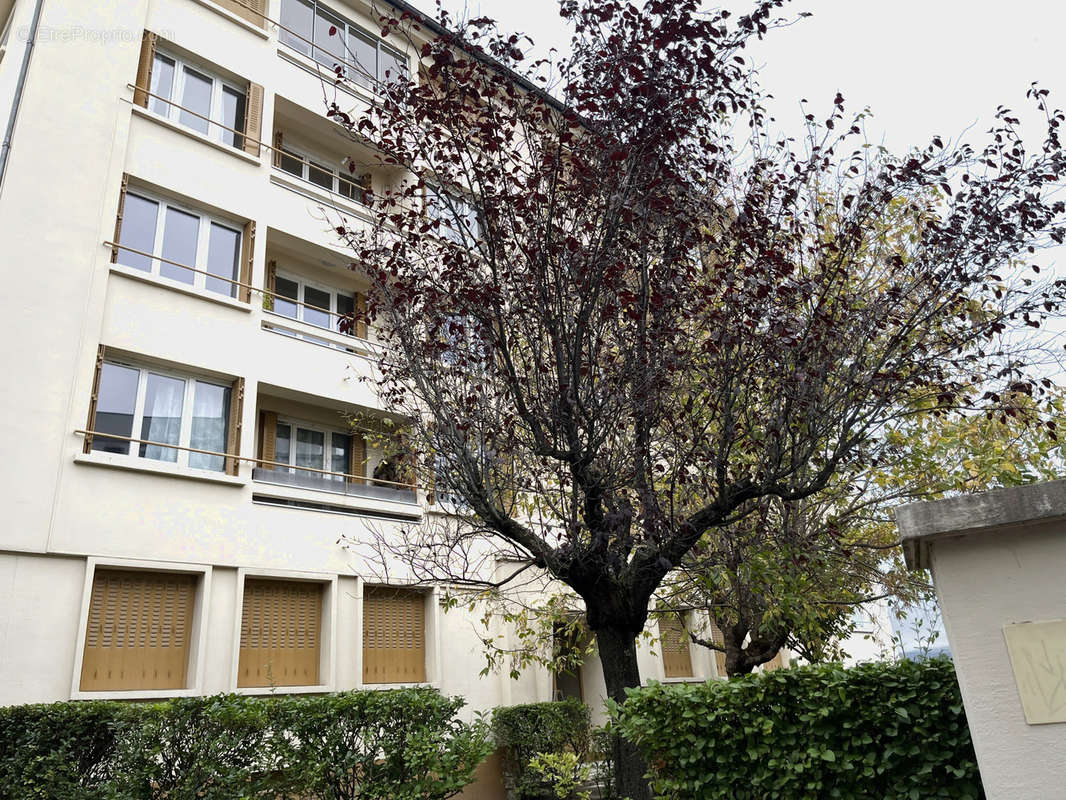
311 192
200 137
253 691
136 464
222 12
175 286
135 694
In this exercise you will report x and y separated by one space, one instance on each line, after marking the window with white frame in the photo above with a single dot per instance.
180 234
458 217
313 303
302 444
195 98
309 27
161 408
318 171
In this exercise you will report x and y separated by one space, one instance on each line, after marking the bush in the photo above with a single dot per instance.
890 731
370 745
527 731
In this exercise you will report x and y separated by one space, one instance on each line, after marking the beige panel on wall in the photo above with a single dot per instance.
250 10
394 635
281 629
138 630
677 660
719 657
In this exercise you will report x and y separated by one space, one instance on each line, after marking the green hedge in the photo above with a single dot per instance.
370 745
885 731
525 731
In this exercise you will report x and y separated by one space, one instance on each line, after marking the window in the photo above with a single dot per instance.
458 217
719 655
318 171
161 409
210 246
394 635
301 445
315 304
306 27
674 641
138 630
281 631
196 99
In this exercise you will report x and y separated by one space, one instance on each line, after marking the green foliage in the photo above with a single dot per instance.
527 731
404 744
564 772
890 731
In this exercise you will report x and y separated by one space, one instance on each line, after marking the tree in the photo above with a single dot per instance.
615 322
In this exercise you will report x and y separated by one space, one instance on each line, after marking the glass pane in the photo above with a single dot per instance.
196 96
298 17
340 454
352 188
223 255
139 217
179 244
162 84
114 407
310 451
320 175
392 65
210 425
364 53
232 116
283 445
163 400
315 299
345 308
284 288
292 163
329 50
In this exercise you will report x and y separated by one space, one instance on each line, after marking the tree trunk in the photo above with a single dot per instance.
618 656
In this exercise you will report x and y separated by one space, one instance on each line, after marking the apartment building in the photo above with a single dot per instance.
180 470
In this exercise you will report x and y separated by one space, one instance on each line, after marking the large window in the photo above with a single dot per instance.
166 230
313 303
459 219
160 409
281 631
302 445
193 97
137 631
674 643
318 171
394 635
312 29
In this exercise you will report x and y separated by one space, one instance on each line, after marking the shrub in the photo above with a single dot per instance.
526 731
370 745
890 731
63 750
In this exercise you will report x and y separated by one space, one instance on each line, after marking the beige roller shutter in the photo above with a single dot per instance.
281 629
236 417
253 119
360 315
394 635
251 10
673 641
357 465
138 630
777 662
268 436
719 656
143 84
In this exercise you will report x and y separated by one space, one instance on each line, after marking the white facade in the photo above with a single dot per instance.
71 514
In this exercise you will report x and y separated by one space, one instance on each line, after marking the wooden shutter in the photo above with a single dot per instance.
253 119
144 70
268 436
138 630
281 628
360 315
90 423
276 158
394 635
357 461
247 261
236 422
673 641
271 285
250 10
719 656
118 218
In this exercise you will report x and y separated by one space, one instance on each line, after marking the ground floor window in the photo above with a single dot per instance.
281 632
674 643
394 635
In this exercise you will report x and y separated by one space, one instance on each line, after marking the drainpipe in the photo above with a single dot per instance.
5 149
